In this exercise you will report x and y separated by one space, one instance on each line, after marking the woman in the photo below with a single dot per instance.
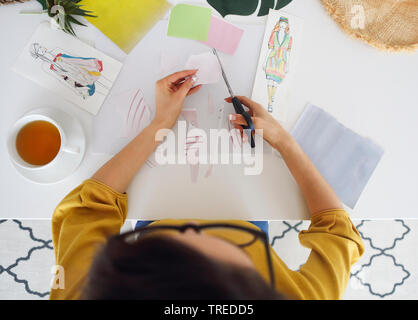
179 259
277 64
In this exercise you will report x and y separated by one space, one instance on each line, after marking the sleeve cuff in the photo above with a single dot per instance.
103 186
329 211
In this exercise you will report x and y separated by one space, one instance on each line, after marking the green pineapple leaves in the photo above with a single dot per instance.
71 8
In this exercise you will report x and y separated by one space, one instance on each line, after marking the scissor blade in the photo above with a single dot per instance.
223 73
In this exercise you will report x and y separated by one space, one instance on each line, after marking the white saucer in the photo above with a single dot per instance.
69 162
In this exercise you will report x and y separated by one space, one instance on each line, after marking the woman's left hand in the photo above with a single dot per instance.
170 94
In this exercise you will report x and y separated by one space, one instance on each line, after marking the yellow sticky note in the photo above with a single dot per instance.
126 22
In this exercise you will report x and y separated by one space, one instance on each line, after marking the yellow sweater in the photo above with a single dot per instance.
93 212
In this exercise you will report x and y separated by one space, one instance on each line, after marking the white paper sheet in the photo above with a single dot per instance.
163 58
345 159
170 54
68 67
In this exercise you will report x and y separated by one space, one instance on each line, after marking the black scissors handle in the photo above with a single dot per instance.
250 125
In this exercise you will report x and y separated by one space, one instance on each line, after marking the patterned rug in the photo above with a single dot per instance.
388 269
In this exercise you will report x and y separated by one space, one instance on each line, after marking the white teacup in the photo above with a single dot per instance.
11 141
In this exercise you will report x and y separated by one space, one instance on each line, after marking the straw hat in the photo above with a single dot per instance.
385 24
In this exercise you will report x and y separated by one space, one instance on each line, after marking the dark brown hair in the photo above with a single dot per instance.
163 268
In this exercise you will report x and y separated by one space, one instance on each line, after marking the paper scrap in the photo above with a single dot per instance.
209 171
122 118
191 22
194 172
209 70
345 159
223 36
190 115
126 22
211 104
192 143
138 116
236 139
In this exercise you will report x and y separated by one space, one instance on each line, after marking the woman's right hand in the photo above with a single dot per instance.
273 132
318 194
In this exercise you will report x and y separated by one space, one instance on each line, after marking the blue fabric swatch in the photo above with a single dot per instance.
345 159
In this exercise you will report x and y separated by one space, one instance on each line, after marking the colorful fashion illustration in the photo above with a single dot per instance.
277 64
81 74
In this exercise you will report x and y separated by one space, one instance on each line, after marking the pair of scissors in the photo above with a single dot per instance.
238 105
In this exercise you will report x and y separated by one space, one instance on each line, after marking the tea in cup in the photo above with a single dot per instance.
36 141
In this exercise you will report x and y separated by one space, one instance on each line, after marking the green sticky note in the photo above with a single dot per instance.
191 22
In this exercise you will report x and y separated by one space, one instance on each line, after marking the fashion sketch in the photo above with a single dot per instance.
277 64
82 75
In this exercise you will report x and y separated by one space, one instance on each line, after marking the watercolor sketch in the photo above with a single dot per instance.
68 67
275 68
83 75
277 63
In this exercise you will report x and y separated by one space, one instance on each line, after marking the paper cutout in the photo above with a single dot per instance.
126 22
191 22
236 138
220 116
345 159
121 119
137 117
68 67
271 85
190 115
209 70
192 143
211 104
194 173
223 36
209 171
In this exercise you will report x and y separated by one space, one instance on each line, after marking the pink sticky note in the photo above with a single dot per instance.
223 36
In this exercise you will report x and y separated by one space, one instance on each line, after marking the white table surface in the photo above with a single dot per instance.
372 92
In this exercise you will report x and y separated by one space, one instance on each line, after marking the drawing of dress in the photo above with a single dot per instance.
80 73
276 65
